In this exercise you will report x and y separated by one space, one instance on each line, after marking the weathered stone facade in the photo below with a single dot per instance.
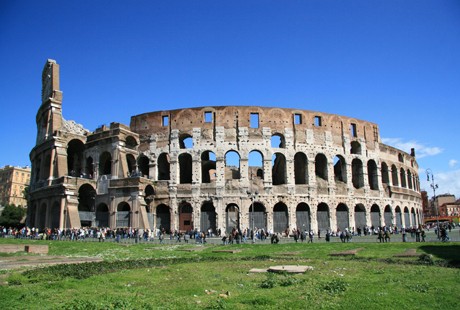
219 168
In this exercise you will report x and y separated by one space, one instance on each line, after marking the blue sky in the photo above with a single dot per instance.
395 63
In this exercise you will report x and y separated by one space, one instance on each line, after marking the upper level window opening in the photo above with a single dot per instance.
297 119
318 121
254 120
165 120
208 117
353 130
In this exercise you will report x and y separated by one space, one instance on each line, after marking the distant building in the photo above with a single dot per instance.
13 181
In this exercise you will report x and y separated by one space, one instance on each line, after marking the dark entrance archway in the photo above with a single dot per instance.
185 216
280 218
208 217
302 215
232 217
343 219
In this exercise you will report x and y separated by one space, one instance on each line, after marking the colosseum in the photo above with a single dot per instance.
219 168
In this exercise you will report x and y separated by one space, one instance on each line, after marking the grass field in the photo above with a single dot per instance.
153 276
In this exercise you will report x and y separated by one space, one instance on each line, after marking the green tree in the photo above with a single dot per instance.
12 215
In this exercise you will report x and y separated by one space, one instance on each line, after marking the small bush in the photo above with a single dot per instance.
336 286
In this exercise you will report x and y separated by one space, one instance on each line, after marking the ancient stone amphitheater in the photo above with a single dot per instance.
219 167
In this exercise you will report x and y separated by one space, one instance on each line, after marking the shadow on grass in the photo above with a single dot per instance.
450 253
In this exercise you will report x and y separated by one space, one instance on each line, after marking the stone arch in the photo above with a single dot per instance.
75 150
360 216
409 179
131 142
300 168
185 141
256 165
280 217
375 216
123 215
394 175
321 166
406 217
185 216
343 217
42 216
232 165
385 173
398 215
89 167
355 148
303 217
102 215
208 218
340 169
402 174
278 141
208 167
232 217
163 218
372 175
185 168
413 217
257 216
322 215
131 164
357 173
55 215
163 167
105 164
143 163
388 216
279 176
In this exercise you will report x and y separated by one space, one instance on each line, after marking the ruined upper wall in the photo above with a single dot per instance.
234 117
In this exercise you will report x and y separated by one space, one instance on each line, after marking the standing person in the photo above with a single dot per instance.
403 233
310 236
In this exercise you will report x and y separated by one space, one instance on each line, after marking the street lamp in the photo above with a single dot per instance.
434 187
253 196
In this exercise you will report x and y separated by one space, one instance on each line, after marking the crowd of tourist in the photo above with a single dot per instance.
384 234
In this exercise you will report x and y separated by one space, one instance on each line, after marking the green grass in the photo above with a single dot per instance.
147 276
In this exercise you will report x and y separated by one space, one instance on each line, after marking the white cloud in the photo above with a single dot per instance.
420 149
453 163
448 183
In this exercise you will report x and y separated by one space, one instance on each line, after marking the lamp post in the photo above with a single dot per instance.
434 187
253 196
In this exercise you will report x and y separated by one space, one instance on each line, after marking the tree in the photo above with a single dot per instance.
12 215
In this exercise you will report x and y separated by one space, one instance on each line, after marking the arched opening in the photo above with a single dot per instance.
360 216
279 169
131 162
323 217
257 216
280 218
357 173
340 169
42 216
372 175
75 150
300 168
163 167
208 167
208 217
375 216
321 166
163 218
355 148
185 216
388 216
149 196
398 215
232 166
394 175
414 218
385 174
409 179
89 167
105 164
123 215
144 163
407 222
86 207
131 142
185 168
102 215
278 141
232 218
256 165
302 215
343 218
403 177
55 215
186 141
